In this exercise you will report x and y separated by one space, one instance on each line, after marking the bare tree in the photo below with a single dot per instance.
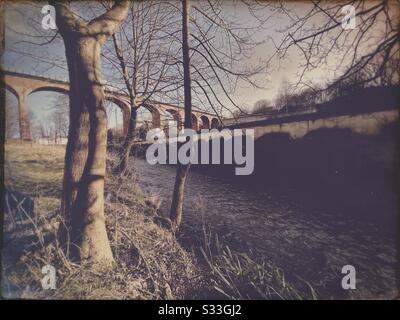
221 51
183 170
262 106
84 172
214 64
40 128
57 121
141 53
242 112
318 35
283 98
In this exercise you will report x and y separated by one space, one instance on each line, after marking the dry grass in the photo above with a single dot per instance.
235 275
150 263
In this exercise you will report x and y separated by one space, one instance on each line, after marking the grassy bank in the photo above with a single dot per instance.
150 263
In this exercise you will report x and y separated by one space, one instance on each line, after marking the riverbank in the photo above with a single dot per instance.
150 263
273 227
235 241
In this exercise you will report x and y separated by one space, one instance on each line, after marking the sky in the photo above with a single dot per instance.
23 18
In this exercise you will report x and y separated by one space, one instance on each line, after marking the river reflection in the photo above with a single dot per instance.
306 243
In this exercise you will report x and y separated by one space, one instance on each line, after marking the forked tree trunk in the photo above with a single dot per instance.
85 162
83 230
183 170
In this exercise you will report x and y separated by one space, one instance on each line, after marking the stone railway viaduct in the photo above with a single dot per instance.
363 120
21 85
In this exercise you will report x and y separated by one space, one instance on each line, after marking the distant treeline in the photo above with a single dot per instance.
354 97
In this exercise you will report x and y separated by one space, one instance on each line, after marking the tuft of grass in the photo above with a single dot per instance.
235 275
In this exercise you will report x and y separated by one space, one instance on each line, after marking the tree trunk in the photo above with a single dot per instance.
183 170
85 158
178 196
128 141
83 230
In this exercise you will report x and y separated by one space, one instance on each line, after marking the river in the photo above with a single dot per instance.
306 242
